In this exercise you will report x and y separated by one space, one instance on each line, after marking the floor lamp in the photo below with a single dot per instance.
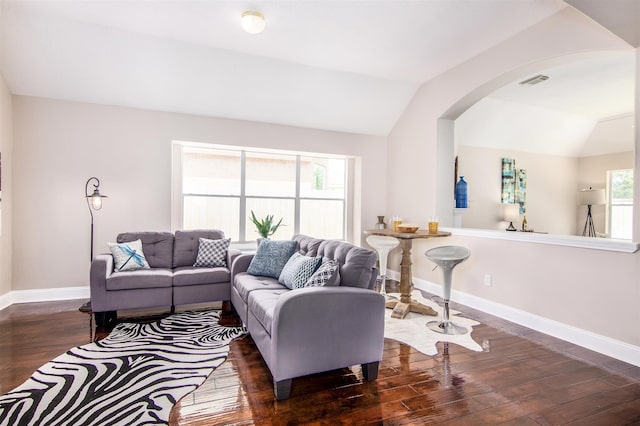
94 202
590 197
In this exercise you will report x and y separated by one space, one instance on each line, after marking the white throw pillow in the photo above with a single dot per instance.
128 256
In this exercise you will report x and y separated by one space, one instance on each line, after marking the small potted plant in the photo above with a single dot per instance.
266 226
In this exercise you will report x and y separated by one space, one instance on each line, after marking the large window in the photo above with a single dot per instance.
621 203
219 187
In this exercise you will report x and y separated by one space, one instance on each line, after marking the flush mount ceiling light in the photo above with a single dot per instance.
253 21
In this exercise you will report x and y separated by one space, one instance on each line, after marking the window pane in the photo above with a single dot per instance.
621 203
210 171
322 177
271 175
621 222
279 208
213 213
322 218
621 185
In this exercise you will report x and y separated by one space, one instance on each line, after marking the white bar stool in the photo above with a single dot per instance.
447 257
383 245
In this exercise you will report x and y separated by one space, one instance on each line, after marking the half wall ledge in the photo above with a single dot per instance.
606 244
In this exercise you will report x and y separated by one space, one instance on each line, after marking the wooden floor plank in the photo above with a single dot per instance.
522 378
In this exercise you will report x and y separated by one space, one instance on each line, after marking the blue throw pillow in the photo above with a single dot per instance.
298 270
271 258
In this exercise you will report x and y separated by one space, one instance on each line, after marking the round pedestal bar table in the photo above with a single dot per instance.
405 305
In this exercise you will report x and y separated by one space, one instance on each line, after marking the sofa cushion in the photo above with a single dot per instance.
262 305
190 275
185 251
245 283
157 246
271 257
356 263
142 278
128 256
298 270
212 253
327 275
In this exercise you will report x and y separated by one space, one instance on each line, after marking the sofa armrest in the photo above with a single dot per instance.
101 269
323 328
232 254
240 264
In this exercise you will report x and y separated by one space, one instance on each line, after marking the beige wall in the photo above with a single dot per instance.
576 286
551 189
59 145
6 148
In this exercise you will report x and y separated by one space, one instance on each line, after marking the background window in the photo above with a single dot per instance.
220 187
621 203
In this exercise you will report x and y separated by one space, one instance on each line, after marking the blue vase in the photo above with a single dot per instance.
461 193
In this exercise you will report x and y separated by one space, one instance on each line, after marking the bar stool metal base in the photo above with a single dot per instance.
446 327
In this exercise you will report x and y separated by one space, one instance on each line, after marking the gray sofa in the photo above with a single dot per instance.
314 329
171 280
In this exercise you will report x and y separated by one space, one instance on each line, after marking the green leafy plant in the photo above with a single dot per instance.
266 226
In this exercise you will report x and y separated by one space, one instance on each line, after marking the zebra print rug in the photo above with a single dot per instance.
134 376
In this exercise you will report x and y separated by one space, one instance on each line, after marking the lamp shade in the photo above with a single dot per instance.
96 199
511 212
591 197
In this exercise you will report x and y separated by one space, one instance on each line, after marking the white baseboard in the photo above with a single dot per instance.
43 295
587 339
5 300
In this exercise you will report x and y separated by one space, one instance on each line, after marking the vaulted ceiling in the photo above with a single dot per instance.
349 66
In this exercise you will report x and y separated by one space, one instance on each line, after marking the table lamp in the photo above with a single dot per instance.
511 214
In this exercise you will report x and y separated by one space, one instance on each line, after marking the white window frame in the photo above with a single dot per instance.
177 195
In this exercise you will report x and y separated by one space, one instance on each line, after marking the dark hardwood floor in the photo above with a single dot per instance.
522 378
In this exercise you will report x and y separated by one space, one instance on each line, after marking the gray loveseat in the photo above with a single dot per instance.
314 329
171 279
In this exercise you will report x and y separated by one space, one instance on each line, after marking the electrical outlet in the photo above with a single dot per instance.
487 280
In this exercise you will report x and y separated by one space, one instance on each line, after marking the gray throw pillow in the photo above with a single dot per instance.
327 275
298 270
212 253
271 257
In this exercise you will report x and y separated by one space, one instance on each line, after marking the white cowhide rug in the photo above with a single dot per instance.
412 330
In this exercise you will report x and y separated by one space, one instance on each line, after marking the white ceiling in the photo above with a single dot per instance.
585 108
348 66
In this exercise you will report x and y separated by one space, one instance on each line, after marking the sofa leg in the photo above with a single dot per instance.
370 370
229 316
282 389
106 319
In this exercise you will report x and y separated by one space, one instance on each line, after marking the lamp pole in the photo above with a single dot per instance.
94 202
